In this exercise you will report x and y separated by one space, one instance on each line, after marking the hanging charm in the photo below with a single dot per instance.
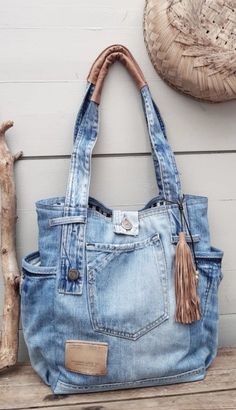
186 279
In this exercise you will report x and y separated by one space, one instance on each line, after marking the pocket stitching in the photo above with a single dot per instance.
210 278
92 305
118 247
206 296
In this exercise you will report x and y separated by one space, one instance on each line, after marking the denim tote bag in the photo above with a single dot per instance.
117 299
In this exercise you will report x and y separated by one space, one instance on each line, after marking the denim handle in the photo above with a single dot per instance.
85 135
76 200
86 130
82 110
84 105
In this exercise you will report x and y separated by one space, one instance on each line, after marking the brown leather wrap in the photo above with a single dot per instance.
101 65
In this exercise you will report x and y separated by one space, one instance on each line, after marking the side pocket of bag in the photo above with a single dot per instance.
210 276
37 313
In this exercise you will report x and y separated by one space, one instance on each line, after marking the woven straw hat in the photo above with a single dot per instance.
192 45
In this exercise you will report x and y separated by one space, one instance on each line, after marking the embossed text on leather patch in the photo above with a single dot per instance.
86 357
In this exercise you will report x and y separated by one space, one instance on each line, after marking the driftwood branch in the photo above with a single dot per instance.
8 262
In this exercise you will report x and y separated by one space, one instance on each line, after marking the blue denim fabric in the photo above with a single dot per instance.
125 292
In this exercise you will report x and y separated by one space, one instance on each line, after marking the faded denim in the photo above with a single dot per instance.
125 292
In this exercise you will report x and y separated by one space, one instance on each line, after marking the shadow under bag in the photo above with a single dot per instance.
120 299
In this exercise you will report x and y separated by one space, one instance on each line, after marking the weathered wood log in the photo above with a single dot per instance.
8 262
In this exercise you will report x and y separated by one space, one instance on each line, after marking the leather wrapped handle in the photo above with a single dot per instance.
101 66
96 67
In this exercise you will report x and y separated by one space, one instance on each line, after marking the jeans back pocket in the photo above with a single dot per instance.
127 287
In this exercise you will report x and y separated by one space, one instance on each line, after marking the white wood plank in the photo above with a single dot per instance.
44 115
45 42
227 330
60 54
70 14
69 3
224 400
227 300
221 220
128 180
44 119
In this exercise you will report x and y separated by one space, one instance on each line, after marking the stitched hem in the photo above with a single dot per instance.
193 375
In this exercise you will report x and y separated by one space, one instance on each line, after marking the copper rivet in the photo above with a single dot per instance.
73 274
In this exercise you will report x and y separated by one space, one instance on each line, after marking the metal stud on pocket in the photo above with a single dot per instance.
73 274
126 224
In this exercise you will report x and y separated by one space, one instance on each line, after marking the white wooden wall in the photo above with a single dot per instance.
47 48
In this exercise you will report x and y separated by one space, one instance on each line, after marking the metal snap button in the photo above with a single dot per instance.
126 224
73 274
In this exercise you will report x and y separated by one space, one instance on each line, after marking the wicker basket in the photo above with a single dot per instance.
192 45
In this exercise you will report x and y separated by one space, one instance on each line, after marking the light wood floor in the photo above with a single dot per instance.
21 388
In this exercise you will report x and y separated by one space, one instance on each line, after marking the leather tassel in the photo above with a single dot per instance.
186 278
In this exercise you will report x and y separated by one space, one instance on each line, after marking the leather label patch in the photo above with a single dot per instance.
86 357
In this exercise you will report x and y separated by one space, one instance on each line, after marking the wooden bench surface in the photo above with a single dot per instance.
21 388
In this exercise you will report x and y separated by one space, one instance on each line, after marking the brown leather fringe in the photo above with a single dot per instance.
186 277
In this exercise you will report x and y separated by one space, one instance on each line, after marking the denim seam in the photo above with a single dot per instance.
195 237
68 292
39 276
130 336
113 247
137 382
82 110
209 256
150 125
49 273
32 269
164 278
89 156
190 201
65 232
69 192
145 214
105 260
66 220
206 295
54 328
210 283
108 258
